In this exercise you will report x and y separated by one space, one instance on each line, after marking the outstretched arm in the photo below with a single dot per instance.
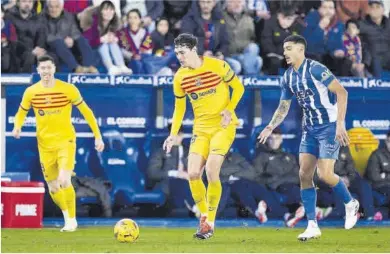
91 120
278 117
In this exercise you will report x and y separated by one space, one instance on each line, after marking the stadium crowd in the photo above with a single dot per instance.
136 36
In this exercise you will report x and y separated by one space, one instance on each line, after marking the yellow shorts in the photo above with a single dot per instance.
215 140
61 158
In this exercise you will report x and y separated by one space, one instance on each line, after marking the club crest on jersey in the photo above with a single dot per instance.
194 96
198 82
47 100
41 112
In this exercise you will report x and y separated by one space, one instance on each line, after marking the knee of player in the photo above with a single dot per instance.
305 176
324 175
194 175
65 183
212 176
54 186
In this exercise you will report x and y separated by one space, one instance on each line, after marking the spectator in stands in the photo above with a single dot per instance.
351 9
324 34
100 25
64 36
10 61
162 38
7 4
353 47
135 42
258 9
169 172
115 3
30 33
277 169
276 29
150 11
175 11
243 53
375 34
378 170
345 168
205 21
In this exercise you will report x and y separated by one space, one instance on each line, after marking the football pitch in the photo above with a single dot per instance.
233 240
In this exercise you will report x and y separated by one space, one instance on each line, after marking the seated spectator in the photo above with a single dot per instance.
136 44
345 169
150 11
243 53
206 22
324 34
115 3
162 38
353 47
378 170
30 33
10 61
63 36
100 25
276 29
375 34
258 9
169 172
351 9
175 11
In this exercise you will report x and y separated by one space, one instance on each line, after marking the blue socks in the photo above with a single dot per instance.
309 200
342 191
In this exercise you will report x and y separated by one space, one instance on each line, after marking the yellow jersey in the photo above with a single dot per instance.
53 111
208 90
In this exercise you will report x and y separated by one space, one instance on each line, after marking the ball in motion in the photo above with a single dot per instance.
126 231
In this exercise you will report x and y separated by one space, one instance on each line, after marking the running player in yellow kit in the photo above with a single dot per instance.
52 101
206 82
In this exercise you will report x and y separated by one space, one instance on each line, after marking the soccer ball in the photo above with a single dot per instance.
126 231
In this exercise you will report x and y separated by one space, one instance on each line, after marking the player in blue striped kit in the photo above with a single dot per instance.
324 104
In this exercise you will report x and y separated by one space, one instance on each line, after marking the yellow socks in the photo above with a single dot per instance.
214 191
70 199
198 191
59 199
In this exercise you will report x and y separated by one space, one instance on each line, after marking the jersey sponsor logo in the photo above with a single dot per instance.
303 94
89 79
130 80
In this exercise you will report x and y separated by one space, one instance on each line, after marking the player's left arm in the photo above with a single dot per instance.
88 115
231 78
326 77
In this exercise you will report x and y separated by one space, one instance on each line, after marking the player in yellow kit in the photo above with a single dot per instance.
52 101
206 82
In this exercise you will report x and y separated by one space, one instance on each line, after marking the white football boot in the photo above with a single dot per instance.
351 214
312 232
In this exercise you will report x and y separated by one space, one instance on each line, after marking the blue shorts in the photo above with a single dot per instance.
320 141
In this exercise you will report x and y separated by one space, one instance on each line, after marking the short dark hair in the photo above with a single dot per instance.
45 58
351 21
170 127
296 39
187 40
135 11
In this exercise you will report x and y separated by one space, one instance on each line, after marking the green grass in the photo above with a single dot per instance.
101 239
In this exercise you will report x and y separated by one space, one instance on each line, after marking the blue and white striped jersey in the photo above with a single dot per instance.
310 85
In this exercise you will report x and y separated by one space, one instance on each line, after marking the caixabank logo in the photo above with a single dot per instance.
133 80
379 83
257 81
165 80
351 82
90 79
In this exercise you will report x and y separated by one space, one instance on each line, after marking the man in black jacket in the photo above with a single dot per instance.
168 171
64 36
31 34
378 170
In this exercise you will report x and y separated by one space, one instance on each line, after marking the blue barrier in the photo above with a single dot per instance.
128 105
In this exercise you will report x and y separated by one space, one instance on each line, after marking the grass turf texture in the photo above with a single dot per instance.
101 239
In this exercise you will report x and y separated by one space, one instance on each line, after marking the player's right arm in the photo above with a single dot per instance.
178 113
280 113
24 107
